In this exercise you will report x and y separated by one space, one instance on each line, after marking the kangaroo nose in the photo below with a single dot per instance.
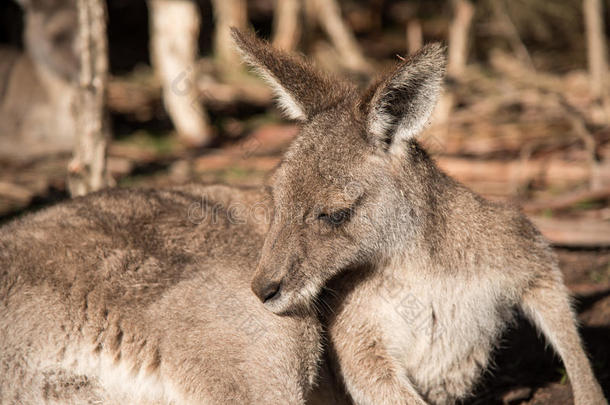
266 291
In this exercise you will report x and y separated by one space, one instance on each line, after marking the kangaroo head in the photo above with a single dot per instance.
50 34
338 194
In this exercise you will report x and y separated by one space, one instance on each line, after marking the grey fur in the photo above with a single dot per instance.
128 297
121 297
425 274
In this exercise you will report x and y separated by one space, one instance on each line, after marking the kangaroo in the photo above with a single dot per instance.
126 297
422 274
37 86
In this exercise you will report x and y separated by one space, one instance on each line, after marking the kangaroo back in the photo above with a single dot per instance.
129 296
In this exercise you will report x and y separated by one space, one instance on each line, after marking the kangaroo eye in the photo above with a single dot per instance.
336 218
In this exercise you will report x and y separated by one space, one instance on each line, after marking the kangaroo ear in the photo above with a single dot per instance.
302 91
398 106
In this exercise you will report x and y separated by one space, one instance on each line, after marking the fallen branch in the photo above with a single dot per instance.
568 200
130 98
579 126
15 192
574 232
142 100
517 173
221 95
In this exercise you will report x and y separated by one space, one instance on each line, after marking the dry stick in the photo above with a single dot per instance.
286 24
228 13
568 200
577 120
225 96
525 155
15 192
174 35
414 35
554 171
310 21
87 170
574 232
596 47
512 34
141 100
463 12
579 126
459 32
328 14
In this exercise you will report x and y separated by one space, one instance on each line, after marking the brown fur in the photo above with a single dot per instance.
439 270
123 297
143 297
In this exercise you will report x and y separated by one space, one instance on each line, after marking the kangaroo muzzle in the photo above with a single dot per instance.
266 289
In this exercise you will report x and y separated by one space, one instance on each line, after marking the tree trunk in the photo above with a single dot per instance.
329 16
87 170
414 35
174 36
459 31
286 24
228 13
596 47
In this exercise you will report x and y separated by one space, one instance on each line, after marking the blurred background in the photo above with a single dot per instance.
137 93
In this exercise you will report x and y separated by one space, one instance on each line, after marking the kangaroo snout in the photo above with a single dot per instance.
269 283
265 288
